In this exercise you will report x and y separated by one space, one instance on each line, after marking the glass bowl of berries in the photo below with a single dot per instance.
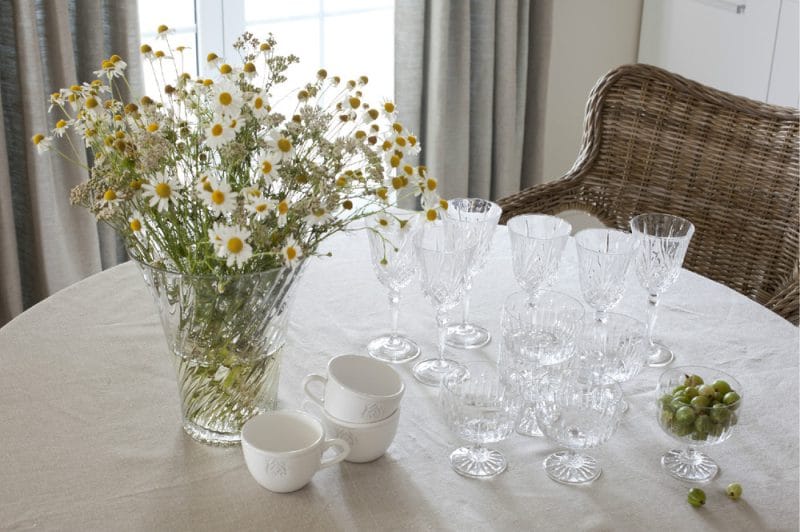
697 406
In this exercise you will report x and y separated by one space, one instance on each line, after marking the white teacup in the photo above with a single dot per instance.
283 449
368 441
357 389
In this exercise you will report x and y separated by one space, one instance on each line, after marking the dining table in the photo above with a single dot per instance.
92 434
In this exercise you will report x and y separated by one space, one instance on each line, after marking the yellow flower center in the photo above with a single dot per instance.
397 183
163 190
397 127
347 204
258 103
388 107
387 145
208 82
408 169
443 204
360 134
383 221
145 49
431 184
160 54
431 215
109 195
115 59
212 57
207 187
218 197
225 69
162 28
152 127
136 184
291 253
400 141
373 113
216 130
266 167
225 98
235 244
341 181
284 145
233 123
107 65
412 140
37 138
283 207
264 47
250 68
261 207
136 225
91 103
382 193
354 102
394 161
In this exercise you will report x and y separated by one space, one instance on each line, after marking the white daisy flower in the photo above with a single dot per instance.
109 198
283 212
236 124
216 235
217 133
318 216
268 167
280 145
291 252
41 142
135 224
163 32
61 128
234 246
220 199
384 221
226 99
162 190
259 106
257 203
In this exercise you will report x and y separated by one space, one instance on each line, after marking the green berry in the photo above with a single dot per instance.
685 415
703 424
694 380
678 389
734 490
730 398
696 497
719 413
706 389
700 402
690 392
722 387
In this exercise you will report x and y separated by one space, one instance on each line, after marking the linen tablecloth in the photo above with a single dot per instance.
92 438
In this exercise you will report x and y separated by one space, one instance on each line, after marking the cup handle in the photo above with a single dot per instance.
307 389
341 455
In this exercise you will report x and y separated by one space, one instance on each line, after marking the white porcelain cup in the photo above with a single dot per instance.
358 389
368 441
283 449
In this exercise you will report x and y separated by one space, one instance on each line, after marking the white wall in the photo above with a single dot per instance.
589 38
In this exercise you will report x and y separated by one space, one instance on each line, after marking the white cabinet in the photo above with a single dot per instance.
747 47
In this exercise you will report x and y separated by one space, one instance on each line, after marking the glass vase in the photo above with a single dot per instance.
225 335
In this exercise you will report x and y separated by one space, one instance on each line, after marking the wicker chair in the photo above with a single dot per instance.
656 142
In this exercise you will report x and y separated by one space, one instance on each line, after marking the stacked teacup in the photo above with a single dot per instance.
359 403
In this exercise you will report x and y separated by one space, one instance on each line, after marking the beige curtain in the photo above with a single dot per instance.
45 243
470 80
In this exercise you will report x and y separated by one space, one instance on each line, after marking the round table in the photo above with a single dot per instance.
92 437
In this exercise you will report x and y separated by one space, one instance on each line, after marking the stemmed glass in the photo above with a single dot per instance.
536 339
663 241
579 409
604 256
480 409
705 418
537 241
392 250
483 215
443 253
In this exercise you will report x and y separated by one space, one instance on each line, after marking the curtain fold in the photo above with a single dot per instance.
47 244
470 80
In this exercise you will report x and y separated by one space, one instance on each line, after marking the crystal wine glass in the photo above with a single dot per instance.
604 256
706 418
392 249
663 241
578 409
615 347
480 409
537 241
483 215
443 254
536 338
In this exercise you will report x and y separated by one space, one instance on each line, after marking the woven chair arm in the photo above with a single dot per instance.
551 198
786 301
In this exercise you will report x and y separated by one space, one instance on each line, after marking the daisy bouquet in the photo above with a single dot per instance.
208 177
221 187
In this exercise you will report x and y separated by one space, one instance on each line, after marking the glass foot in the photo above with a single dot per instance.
691 466
467 336
660 356
211 437
526 424
431 371
393 349
568 467
478 462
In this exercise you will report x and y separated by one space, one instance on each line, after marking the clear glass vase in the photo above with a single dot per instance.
225 335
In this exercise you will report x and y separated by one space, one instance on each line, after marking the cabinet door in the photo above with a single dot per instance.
783 84
726 44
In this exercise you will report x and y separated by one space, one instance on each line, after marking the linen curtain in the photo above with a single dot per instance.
45 243
470 81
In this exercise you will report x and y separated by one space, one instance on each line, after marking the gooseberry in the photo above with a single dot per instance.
696 497
734 490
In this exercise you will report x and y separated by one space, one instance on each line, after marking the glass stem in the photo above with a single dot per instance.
652 300
441 324
394 309
465 313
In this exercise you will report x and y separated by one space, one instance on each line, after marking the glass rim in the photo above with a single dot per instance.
516 220
692 370
689 230
586 231
215 276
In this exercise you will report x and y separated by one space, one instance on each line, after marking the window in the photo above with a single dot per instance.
349 38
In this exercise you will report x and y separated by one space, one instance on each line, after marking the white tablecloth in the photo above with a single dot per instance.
92 439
